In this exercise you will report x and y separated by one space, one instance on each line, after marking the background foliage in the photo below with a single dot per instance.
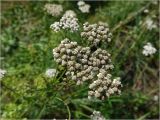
26 53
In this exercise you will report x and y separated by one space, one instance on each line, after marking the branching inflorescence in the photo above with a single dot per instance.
83 64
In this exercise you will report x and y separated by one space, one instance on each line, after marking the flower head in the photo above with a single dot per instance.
70 13
150 24
68 21
80 3
50 73
104 86
148 49
83 7
96 33
55 26
53 9
96 115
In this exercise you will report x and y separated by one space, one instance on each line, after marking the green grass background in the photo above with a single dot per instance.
26 53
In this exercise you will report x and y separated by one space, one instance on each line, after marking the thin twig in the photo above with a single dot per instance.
130 17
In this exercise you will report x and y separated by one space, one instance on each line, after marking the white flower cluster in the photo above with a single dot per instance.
82 64
68 21
83 7
2 73
95 33
148 49
150 24
104 86
155 98
97 116
146 11
50 73
70 13
53 9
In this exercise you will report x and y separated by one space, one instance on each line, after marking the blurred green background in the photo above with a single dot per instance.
26 53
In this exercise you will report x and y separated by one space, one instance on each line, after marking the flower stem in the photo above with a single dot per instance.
68 110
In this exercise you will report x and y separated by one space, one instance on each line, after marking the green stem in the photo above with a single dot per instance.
68 110
69 113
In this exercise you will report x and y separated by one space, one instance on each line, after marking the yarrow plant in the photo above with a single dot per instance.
83 7
89 64
84 64
148 49
53 9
